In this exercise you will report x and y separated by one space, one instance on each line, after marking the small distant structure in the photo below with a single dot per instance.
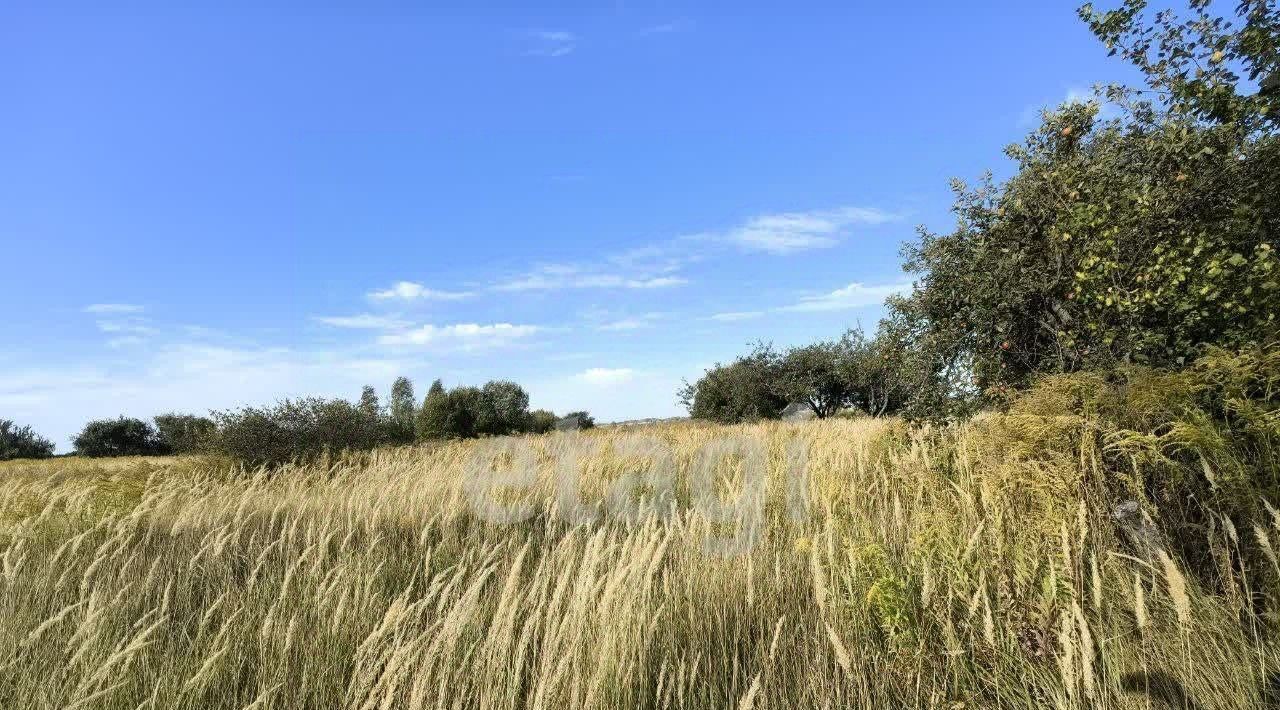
574 421
797 412
568 424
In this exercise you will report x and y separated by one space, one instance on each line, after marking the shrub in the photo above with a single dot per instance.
300 429
1140 239
503 408
22 443
461 412
742 391
498 408
541 421
581 419
1199 444
185 433
401 412
431 418
119 437
816 375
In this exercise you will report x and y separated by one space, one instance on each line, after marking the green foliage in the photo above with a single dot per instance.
461 411
369 403
1141 239
296 430
1138 242
1200 64
119 437
1198 443
503 408
582 419
402 411
499 408
815 374
541 421
870 375
431 422
185 433
22 442
741 391
875 372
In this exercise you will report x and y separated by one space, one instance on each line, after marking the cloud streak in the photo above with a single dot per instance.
606 377
464 336
550 43
364 321
413 291
113 308
790 232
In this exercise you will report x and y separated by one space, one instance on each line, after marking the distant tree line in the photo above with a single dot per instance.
21 442
853 372
299 429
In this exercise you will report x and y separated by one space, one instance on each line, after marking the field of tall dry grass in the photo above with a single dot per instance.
844 563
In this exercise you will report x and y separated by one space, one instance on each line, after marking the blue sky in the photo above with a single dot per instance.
203 208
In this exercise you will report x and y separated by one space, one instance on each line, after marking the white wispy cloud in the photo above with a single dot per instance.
413 291
466 336
646 320
789 232
855 295
113 308
127 341
133 326
735 316
605 376
550 43
364 321
561 276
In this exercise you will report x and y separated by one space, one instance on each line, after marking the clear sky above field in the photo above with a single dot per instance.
206 208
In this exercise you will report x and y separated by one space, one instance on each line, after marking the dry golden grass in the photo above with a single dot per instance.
933 569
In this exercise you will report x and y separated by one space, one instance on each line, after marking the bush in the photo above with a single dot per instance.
503 408
742 391
185 433
431 418
816 375
498 408
1201 445
461 412
22 443
119 437
582 420
401 412
541 421
300 430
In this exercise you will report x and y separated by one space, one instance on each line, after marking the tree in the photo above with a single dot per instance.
118 437
875 372
369 401
184 433
461 411
1193 62
741 391
296 430
1143 238
432 416
541 421
22 443
401 414
816 375
504 408
580 419
1138 240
